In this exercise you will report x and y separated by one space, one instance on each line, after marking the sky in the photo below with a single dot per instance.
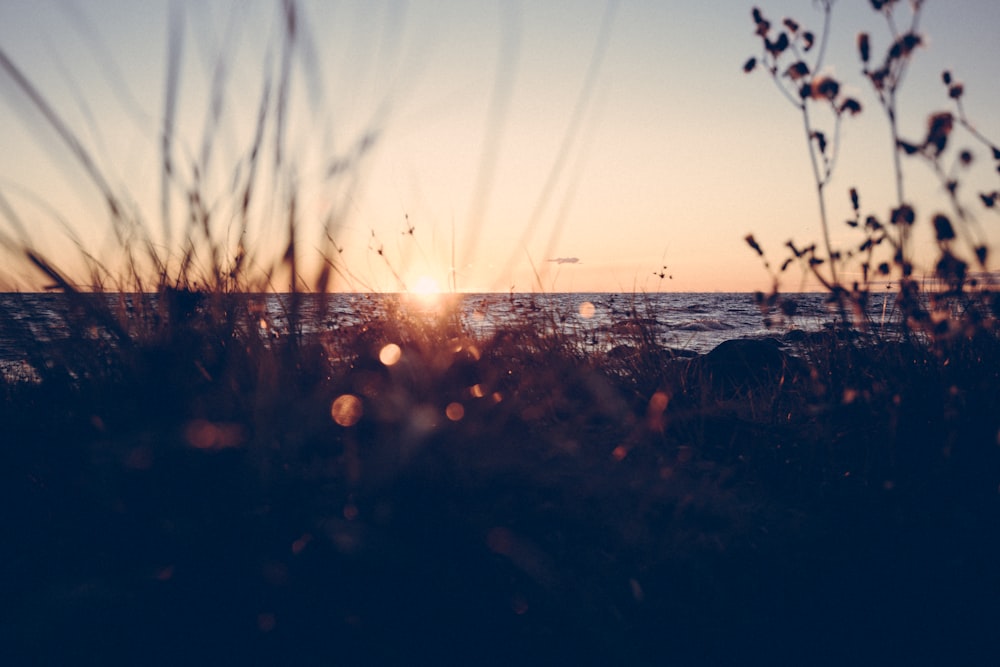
565 145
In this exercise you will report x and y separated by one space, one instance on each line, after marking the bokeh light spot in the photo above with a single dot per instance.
266 622
519 604
390 354
637 592
587 310
347 410
654 413
207 435
455 411
299 545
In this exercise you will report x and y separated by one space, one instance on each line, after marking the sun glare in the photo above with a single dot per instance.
426 286
425 292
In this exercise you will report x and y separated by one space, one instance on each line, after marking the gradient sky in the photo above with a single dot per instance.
509 134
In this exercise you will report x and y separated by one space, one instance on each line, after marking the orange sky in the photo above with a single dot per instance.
625 136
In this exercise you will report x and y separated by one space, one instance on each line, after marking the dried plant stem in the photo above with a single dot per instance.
887 98
897 166
820 180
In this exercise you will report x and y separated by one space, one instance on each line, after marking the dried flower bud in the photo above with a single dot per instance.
879 5
851 105
904 46
955 91
950 267
878 77
820 140
942 228
855 202
904 215
791 24
797 70
825 87
864 47
808 39
946 77
778 46
965 157
907 147
939 126
749 65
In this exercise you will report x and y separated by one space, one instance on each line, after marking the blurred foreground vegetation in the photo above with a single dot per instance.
180 484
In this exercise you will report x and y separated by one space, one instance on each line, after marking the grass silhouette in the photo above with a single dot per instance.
186 479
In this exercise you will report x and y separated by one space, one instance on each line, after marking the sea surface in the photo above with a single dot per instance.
694 322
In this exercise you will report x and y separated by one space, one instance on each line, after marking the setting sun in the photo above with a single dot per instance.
426 286
426 294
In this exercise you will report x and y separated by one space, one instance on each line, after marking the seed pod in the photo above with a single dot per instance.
864 47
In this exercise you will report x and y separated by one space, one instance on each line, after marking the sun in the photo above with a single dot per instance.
426 294
426 286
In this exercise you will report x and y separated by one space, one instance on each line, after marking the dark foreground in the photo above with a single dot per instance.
194 501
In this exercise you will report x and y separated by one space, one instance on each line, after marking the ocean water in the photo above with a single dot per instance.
693 322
